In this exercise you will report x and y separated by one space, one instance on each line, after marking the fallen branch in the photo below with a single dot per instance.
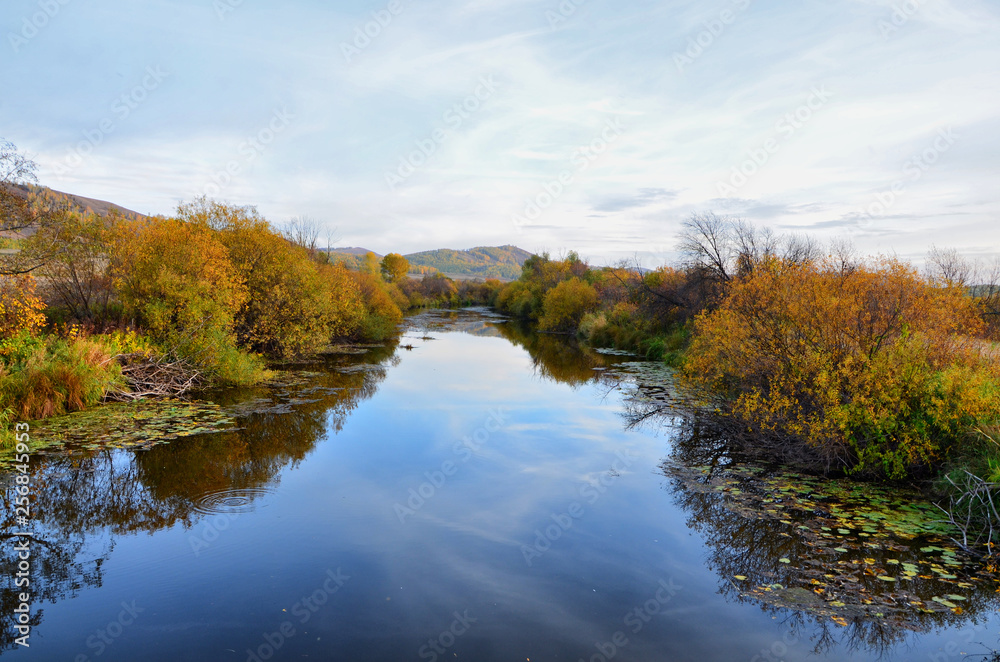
149 377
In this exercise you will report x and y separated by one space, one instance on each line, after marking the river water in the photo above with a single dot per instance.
475 492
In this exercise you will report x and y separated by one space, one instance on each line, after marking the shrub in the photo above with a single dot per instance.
286 311
518 300
872 367
175 277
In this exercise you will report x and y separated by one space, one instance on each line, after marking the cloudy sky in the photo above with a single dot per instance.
551 124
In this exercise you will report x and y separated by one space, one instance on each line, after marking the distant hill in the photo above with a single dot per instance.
481 262
76 202
503 262
353 250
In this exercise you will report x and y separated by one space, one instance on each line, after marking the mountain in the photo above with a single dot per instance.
502 262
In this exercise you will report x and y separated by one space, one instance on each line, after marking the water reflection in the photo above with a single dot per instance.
777 540
463 546
81 502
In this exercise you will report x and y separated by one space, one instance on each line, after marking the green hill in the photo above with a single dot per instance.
481 262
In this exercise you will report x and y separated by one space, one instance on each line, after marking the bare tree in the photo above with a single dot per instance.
17 171
302 231
948 267
708 243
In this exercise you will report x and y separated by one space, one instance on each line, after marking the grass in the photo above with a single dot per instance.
48 376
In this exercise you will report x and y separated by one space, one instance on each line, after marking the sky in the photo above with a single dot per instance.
554 125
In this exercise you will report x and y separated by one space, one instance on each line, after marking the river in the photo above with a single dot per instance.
474 492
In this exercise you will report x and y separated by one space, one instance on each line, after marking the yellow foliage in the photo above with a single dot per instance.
20 309
565 304
176 276
874 367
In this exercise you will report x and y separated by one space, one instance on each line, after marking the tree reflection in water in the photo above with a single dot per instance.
785 564
80 502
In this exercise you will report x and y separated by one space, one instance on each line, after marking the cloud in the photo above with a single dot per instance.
684 130
642 198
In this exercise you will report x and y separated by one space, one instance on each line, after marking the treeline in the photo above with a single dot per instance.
205 297
812 354
111 307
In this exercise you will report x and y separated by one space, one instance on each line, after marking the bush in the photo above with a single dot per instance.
870 366
286 311
517 299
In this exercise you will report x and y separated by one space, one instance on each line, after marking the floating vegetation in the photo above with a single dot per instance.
610 351
143 424
836 549
127 425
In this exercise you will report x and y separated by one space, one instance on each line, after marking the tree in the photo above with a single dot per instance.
287 311
395 267
873 368
17 173
370 265
77 273
565 304
176 277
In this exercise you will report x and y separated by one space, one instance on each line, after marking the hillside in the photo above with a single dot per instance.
503 262
74 202
483 261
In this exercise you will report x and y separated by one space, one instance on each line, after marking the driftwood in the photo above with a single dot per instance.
152 377
974 511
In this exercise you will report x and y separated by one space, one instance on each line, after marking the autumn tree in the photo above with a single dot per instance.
288 309
370 265
176 277
394 267
565 305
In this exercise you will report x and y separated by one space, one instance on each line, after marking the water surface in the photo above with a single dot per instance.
474 492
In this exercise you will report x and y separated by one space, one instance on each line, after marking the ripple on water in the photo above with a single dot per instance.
229 502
